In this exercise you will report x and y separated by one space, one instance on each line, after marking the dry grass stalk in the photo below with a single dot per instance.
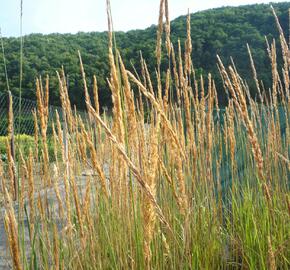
148 78
227 83
167 28
42 106
231 131
273 58
118 127
180 69
56 190
130 107
167 87
232 139
279 26
69 226
175 73
56 256
11 170
285 54
159 87
169 180
249 125
97 106
12 236
241 104
42 208
55 143
271 258
23 174
60 135
149 214
96 94
87 199
209 119
159 110
131 165
67 188
36 131
110 23
142 61
188 47
10 149
87 96
141 144
78 207
255 73
159 33
216 100
118 121
201 117
65 102
183 201
94 159
81 146
209 129
287 161
11 228
188 121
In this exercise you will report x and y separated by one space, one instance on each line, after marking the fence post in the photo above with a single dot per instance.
12 142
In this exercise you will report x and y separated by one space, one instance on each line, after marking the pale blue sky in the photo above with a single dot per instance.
71 16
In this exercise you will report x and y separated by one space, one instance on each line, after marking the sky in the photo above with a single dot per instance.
72 16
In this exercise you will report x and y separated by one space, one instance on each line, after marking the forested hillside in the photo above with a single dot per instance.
223 31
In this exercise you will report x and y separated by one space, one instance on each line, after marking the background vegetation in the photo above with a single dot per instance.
223 31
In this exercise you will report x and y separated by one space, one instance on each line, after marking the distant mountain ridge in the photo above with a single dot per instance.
224 31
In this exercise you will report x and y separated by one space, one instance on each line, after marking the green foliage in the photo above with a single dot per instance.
24 143
224 31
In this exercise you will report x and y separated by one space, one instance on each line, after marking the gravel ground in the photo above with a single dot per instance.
5 260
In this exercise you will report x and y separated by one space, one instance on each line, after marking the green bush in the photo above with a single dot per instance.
25 142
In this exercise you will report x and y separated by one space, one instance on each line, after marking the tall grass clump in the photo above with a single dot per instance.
170 181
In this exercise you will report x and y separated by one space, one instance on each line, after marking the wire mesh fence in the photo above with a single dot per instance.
24 123
23 119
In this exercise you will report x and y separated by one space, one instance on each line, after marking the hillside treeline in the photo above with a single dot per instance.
224 31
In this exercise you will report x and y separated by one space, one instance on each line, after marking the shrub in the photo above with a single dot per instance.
24 142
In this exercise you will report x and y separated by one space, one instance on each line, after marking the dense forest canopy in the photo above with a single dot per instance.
224 31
